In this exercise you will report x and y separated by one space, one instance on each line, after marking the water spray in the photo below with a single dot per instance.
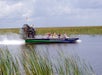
79 41
12 42
13 39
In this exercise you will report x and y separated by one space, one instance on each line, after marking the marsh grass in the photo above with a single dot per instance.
62 30
72 30
33 63
7 65
9 30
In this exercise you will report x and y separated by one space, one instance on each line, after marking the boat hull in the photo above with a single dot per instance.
41 41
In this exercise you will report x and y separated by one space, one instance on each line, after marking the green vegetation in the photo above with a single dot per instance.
31 62
68 30
72 30
9 30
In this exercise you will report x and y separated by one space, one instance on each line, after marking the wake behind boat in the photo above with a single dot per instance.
29 33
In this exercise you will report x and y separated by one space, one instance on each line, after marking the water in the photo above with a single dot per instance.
89 49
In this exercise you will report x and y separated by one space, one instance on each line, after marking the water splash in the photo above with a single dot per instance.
12 42
11 39
79 41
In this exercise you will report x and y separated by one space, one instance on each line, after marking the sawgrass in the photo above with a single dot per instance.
9 30
72 30
33 63
7 64
62 30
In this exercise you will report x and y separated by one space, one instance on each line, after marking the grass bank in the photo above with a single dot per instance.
69 30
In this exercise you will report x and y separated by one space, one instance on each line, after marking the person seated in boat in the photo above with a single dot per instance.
48 35
54 35
65 35
59 36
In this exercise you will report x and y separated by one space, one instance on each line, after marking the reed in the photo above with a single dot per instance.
33 63
7 64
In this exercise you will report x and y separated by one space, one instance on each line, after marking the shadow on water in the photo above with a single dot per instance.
26 59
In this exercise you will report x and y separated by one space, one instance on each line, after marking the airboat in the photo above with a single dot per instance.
29 33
